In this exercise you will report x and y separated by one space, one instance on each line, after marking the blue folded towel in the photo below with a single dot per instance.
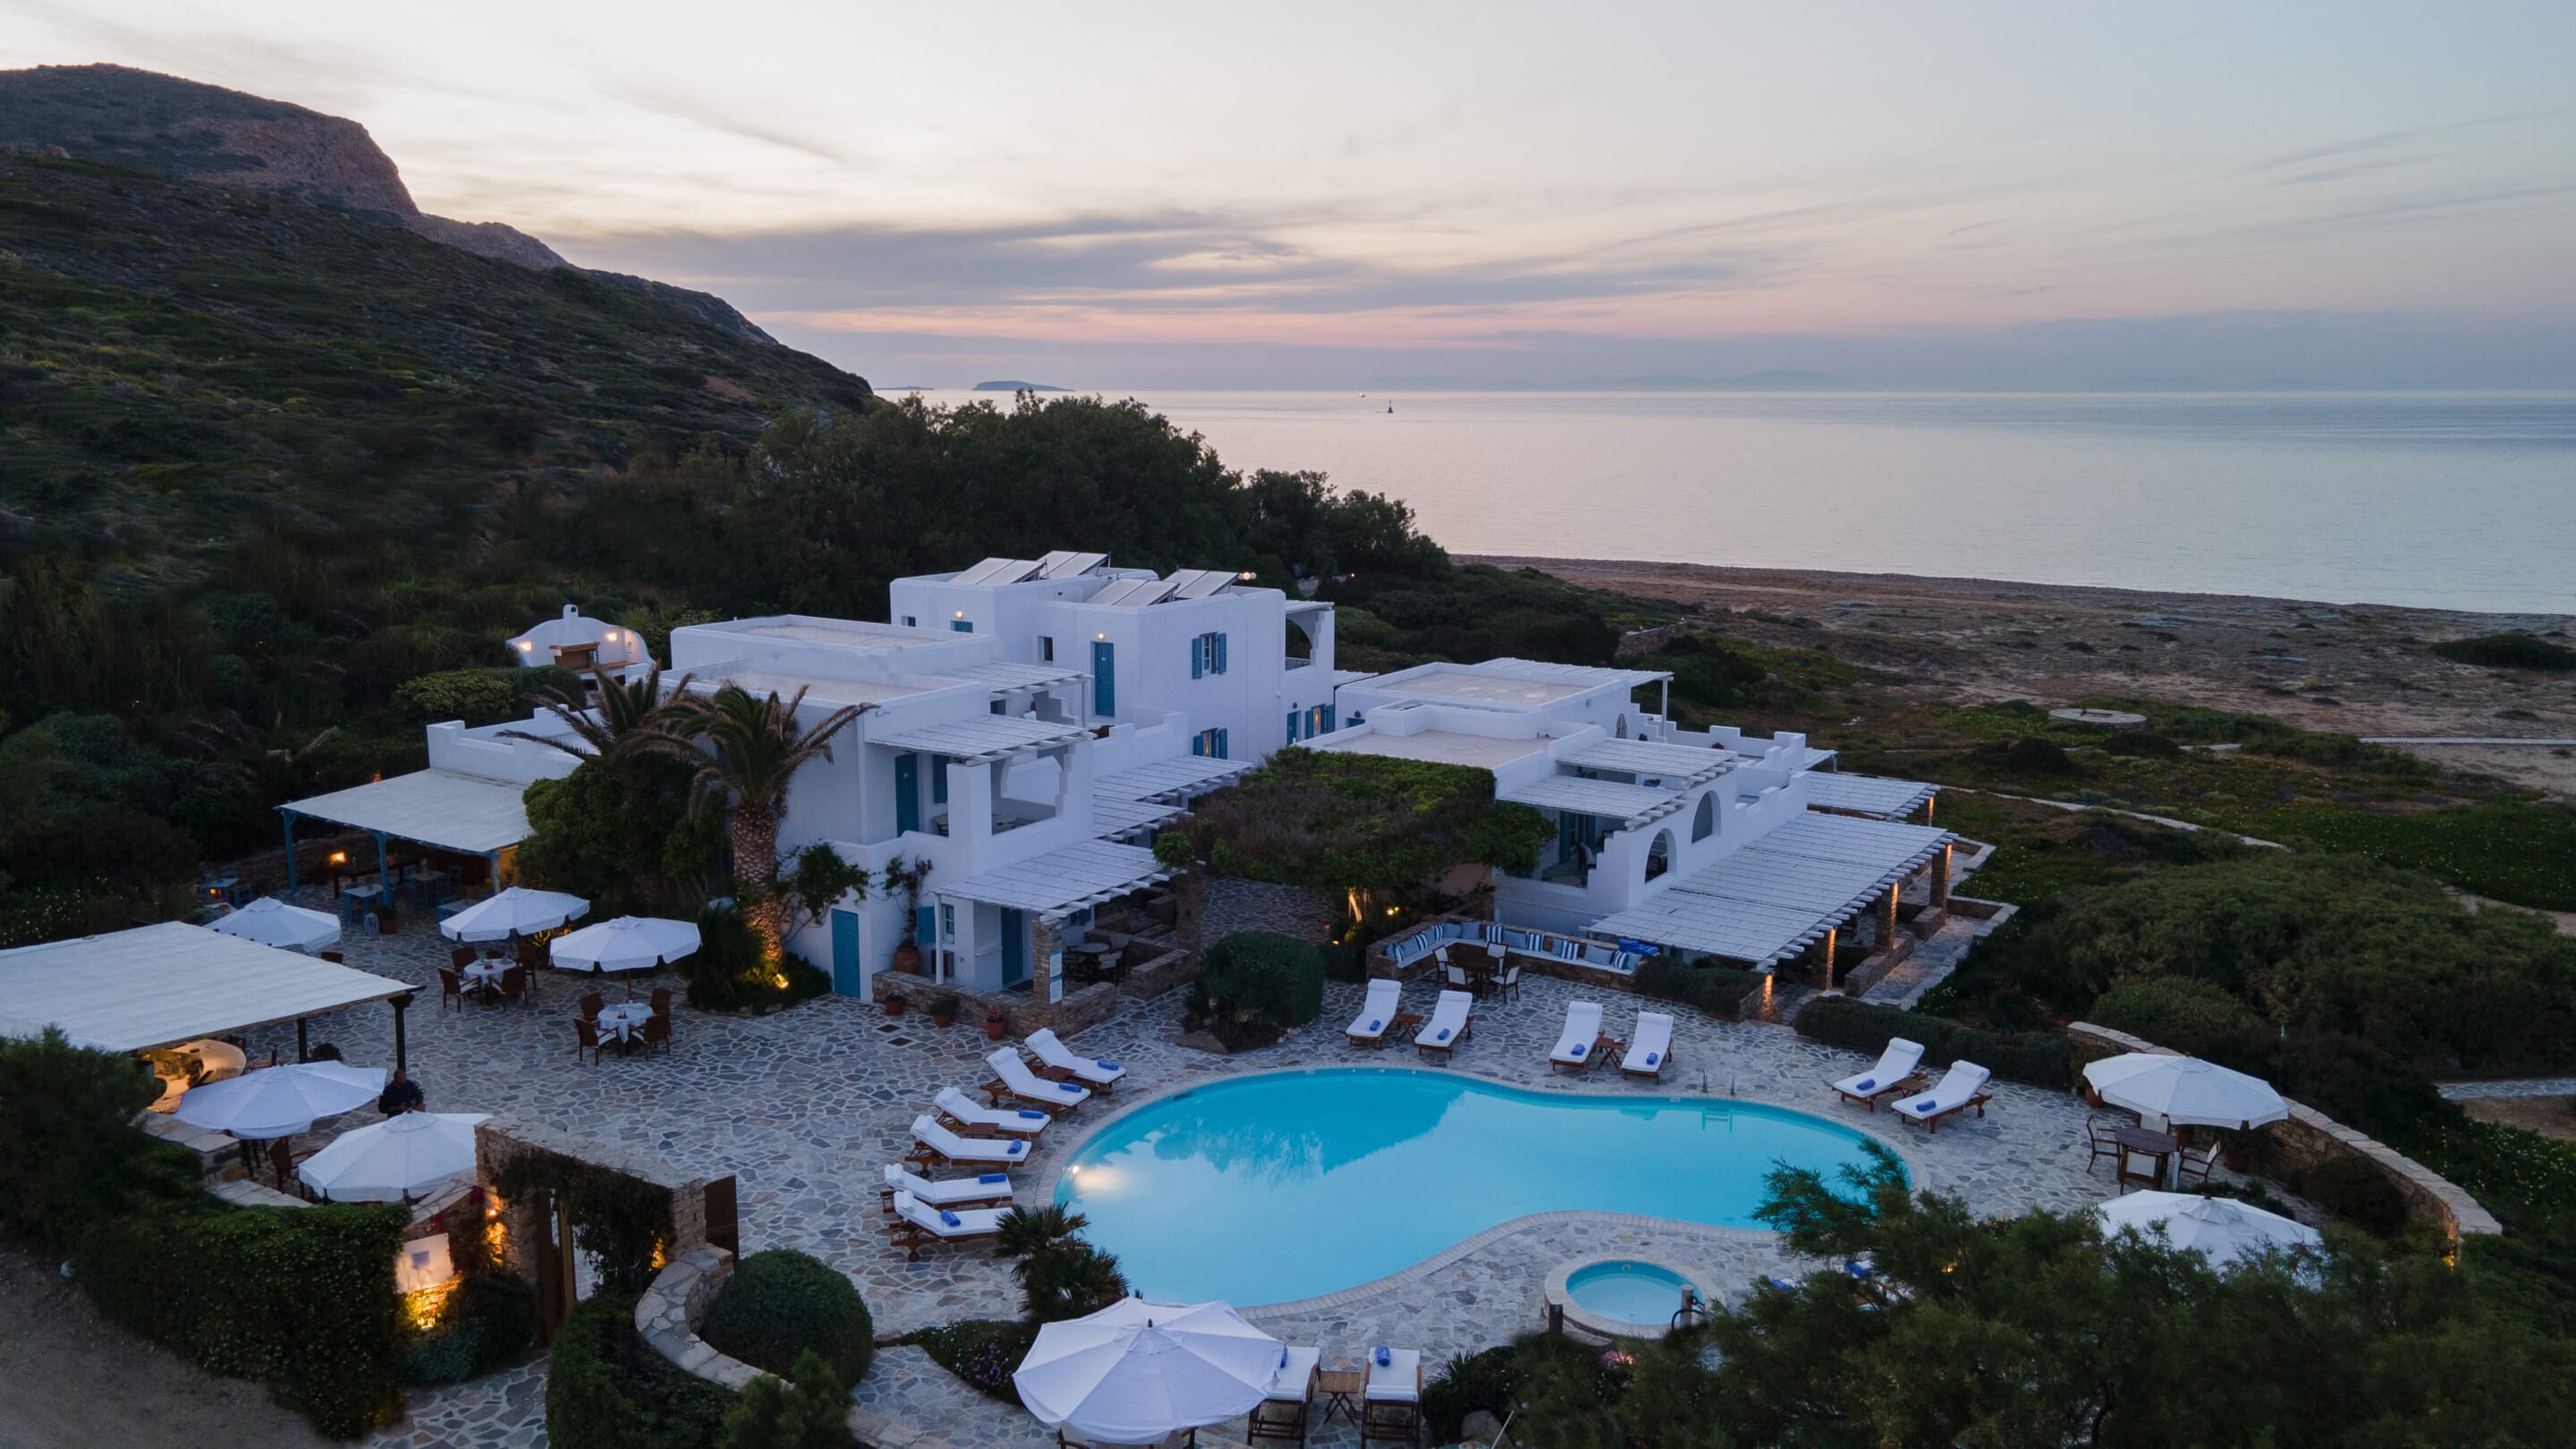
1922 1106
1784 1285
993 1177
1651 1057
1068 1086
951 1219
1108 1066
1016 1148
1384 1358
1576 1051
1032 1112
1443 1036
1376 1025
1864 1084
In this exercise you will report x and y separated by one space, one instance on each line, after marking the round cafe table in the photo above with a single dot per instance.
624 1021
485 975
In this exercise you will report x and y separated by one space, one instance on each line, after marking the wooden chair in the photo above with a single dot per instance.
461 957
657 1032
2196 1166
2103 1138
336 958
1508 986
592 1005
661 1001
586 1038
451 987
514 984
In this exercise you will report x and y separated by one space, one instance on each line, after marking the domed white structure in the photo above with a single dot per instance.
577 641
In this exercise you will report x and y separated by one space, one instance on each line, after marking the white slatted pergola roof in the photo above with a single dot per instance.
445 808
1645 757
1630 804
1005 675
984 738
1062 881
1177 777
156 986
1115 815
1867 794
1765 902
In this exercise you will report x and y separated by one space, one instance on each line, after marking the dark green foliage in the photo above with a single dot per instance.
2042 1059
811 1413
1712 674
2024 755
622 1222
780 1305
1555 1372
1718 990
607 1389
2263 735
2184 1013
982 1351
487 1321
1342 822
301 1300
2508 850
1257 984
1475 611
1061 1276
817 880
69 1153
2510 650
2141 744
2357 1190
727 974
476 696
1345 961
621 838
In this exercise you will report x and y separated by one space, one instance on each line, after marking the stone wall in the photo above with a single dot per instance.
1022 1011
668 1313
498 1140
2287 1148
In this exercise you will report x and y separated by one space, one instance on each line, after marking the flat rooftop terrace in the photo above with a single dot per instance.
1441 747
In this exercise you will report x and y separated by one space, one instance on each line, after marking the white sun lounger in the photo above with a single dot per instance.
1282 1412
918 1225
1962 1087
982 1190
1574 1045
1653 1049
1052 1051
1012 1076
1391 1404
961 1109
1894 1072
937 1142
1378 1014
1448 1025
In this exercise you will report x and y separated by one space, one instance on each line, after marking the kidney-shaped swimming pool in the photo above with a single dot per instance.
1297 1184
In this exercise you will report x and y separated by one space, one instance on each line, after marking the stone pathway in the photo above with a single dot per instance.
805 1106
2526 1087
1931 962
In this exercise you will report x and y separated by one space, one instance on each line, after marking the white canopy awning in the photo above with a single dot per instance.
984 738
1113 816
445 808
1004 675
1765 901
1677 763
1177 778
1062 881
1631 805
1867 794
159 985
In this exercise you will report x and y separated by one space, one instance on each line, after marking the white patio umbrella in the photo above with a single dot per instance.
1136 1372
628 943
2185 1091
272 922
390 1160
2221 1228
517 911
279 1101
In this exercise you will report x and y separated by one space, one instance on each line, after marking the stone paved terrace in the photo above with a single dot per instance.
804 1107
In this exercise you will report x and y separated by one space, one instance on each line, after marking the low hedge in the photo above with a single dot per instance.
781 1304
2186 1014
2356 1189
980 1351
2042 1059
1257 984
1717 990
301 1300
487 1320
607 1389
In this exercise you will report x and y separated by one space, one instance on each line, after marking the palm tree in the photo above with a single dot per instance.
758 750
619 726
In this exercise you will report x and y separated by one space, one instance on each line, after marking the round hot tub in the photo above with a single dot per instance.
1622 1297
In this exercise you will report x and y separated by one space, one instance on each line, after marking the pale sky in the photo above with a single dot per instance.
1158 194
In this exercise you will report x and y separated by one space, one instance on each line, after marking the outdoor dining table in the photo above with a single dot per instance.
624 1021
2146 1142
485 975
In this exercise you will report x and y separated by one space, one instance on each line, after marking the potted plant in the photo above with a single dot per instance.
907 877
894 1003
996 1024
943 1009
385 919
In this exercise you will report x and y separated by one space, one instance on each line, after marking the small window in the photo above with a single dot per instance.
963 626
1046 648
910 623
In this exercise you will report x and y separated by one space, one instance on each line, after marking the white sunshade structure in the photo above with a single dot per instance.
157 986
517 911
272 922
394 1159
1871 795
986 739
1114 817
1173 780
628 943
2185 1091
445 808
1137 1372
1766 901
1063 881
2221 1229
1630 805
280 1101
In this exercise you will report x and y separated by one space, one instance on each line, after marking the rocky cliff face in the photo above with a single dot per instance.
177 127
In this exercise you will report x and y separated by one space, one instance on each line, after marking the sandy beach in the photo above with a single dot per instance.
2361 669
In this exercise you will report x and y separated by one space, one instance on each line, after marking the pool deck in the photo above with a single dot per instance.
804 1107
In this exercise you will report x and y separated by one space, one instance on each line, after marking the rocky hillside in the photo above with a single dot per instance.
148 122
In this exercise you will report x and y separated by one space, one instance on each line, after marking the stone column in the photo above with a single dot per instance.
1941 879
1824 954
1887 920
1044 942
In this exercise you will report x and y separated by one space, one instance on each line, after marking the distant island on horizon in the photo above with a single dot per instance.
1008 385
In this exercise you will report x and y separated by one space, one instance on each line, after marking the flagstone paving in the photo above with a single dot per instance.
804 1107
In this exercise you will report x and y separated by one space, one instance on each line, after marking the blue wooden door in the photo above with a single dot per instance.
849 978
907 793
1015 948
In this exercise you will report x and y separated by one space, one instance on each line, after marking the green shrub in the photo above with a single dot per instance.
1340 822
487 1321
1257 984
780 1305
1467 1384
2511 650
476 696
607 1389
1345 961
811 1412
1718 990
726 973
68 1148
299 1299
2042 1059
2186 1014
982 1352
2024 755
2355 1189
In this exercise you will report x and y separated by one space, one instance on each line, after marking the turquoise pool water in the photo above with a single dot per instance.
1288 1186
1647 1294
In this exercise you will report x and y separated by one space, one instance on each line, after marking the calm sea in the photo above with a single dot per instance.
2451 500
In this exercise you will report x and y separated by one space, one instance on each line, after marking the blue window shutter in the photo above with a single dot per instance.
907 792
1104 678
1292 726
1198 656
1328 719
1220 654
925 931
1198 743
1221 752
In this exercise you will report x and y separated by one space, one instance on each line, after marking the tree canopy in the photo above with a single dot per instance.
1335 822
